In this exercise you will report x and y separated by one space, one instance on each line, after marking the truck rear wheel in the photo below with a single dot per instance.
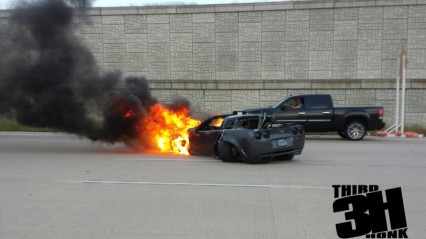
355 130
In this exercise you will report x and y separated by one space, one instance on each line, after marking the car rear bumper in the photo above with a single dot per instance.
278 154
262 152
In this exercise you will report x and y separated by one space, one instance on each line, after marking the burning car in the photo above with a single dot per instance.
246 138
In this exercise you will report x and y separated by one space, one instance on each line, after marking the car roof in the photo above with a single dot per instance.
235 116
242 116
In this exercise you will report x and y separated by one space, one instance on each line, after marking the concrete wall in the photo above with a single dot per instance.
230 57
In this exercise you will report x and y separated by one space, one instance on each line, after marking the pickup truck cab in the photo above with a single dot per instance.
317 113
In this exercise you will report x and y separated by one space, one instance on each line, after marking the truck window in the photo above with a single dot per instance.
295 103
318 102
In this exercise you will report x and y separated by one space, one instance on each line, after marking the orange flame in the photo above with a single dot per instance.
128 114
217 122
167 129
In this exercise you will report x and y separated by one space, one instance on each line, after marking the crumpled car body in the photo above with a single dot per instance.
246 138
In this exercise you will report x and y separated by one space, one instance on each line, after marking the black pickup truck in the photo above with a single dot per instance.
317 114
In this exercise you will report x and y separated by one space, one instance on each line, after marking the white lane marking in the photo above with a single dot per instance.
206 184
24 133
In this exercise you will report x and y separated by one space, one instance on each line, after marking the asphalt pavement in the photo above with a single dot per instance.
61 186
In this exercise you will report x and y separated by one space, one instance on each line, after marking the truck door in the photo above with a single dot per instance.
319 113
287 113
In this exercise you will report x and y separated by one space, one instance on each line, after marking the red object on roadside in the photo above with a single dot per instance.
411 134
381 133
407 134
381 113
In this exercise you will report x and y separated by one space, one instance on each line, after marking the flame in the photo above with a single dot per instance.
217 122
129 114
167 129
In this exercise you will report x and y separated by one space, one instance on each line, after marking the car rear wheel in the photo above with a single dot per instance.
191 152
227 152
287 157
355 130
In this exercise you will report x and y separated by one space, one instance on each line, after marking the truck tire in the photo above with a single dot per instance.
225 152
355 130
342 134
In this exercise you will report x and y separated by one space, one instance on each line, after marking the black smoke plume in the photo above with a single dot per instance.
49 79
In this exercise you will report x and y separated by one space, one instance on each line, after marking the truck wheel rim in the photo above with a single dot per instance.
355 131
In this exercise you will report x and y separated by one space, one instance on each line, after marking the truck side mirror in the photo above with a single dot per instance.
284 107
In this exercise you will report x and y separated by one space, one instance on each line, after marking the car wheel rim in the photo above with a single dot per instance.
355 131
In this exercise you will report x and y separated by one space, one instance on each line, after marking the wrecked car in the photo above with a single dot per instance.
246 138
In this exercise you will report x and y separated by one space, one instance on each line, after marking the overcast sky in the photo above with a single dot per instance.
115 3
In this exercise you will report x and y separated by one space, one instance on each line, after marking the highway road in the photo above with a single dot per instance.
60 186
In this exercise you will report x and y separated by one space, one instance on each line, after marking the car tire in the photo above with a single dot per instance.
256 161
342 134
191 152
224 151
287 157
355 130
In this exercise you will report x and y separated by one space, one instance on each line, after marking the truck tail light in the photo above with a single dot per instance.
381 113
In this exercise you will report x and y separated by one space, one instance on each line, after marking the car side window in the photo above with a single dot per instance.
212 124
253 124
216 123
204 126
246 123
229 124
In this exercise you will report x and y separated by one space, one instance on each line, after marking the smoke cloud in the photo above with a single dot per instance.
49 79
